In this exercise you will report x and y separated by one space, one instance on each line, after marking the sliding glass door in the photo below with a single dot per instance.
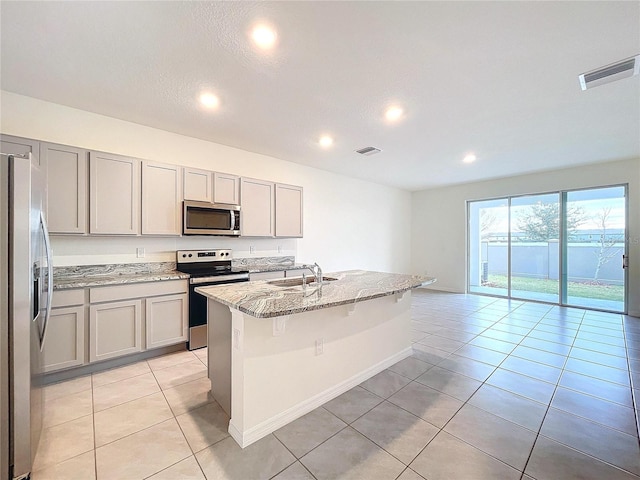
535 242
563 247
595 277
489 247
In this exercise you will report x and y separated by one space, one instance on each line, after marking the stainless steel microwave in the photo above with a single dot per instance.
203 218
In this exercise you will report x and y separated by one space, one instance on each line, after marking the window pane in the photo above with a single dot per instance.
595 277
535 240
488 246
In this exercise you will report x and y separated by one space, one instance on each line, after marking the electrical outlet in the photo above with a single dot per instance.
252 249
236 338
140 252
320 346
279 248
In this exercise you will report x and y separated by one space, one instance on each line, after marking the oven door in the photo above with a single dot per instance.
198 311
202 218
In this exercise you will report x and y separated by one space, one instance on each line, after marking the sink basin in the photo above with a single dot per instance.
297 281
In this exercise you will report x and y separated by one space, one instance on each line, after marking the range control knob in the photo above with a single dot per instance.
190 255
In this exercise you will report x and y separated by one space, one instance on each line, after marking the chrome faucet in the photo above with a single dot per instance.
317 273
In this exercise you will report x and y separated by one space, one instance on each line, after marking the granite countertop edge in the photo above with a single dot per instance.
295 295
119 274
117 279
259 268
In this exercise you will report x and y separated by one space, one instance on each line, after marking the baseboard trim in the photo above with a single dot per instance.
246 438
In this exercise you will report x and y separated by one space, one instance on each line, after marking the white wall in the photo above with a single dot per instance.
438 234
348 223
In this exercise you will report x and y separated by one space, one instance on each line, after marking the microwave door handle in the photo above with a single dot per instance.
232 220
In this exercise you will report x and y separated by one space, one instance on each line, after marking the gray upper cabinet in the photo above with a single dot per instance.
21 146
198 185
161 194
114 194
226 188
288 210
257 216
67 187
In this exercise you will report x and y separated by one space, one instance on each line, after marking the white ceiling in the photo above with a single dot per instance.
496 78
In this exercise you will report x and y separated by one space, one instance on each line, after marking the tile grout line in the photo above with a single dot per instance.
634 400
550 401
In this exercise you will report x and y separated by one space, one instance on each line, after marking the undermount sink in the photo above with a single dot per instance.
297 281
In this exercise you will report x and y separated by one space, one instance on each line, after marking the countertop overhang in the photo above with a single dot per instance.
262 299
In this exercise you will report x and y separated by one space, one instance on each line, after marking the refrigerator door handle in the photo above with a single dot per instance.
47 246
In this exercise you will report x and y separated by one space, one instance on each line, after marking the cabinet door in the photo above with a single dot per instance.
161 194
167 320
198 185
114 194
226 188
66 187
256 216
115 329
64 343
21 146
288 211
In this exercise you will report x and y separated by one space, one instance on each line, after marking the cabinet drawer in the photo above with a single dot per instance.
137 290
67 298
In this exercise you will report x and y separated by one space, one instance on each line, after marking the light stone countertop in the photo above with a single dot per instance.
263 299
66 278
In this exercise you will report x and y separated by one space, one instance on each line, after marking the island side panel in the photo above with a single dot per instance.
282 377
219 346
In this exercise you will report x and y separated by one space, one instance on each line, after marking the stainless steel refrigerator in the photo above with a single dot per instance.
25 302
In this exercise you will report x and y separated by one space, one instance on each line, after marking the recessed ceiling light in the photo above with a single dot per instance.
393 114
264 36
209 100
469 158
325 141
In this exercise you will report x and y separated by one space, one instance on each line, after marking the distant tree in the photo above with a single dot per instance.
487 220
607 246
541 222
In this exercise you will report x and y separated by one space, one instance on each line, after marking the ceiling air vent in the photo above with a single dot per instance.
368 151
616 71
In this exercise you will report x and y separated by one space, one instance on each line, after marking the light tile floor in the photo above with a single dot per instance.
496 389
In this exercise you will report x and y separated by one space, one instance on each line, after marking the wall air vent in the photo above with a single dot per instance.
616 71
368 151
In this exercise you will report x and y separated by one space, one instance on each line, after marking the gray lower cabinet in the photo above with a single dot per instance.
167 320
131 318
115 329
65 340
64 343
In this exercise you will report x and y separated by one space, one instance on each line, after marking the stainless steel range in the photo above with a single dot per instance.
206 267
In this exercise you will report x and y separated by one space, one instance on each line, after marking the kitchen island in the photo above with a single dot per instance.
278 350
